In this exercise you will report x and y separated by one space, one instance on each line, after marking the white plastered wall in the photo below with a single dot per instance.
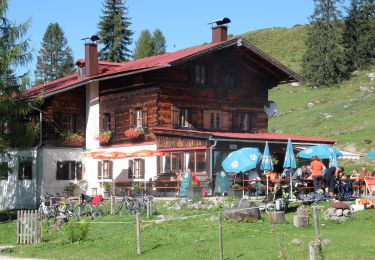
15 193
120 166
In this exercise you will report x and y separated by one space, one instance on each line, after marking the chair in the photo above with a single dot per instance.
370 185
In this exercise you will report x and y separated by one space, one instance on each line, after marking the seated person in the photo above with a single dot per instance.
272 176
306 173
357 180
346 188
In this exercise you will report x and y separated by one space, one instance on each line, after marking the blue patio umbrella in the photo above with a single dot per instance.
323 151
333 159
266 164
371 154
290 160
242 160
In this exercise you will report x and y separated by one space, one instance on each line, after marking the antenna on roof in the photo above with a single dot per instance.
92 39
223 21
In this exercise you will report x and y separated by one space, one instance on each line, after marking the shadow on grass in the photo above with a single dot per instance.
8 215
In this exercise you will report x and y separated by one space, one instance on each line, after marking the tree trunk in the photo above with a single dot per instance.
277 217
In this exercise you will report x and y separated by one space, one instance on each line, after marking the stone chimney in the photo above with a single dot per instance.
220 30
91 59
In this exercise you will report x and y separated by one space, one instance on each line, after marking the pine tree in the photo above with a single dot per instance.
114 32
145 45
55 58
359 35
15 130
323 62
159 42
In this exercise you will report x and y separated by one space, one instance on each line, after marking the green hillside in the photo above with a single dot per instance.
345 113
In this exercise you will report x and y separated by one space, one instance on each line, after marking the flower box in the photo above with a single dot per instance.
104 137
134 133
73 138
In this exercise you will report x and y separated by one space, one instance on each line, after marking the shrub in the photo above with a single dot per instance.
76 231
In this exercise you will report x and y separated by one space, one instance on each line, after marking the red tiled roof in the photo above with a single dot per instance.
111 68
249 136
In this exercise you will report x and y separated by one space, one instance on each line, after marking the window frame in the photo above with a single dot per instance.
137 168
107 126
22 166
4 170
215 120
244 123
200 75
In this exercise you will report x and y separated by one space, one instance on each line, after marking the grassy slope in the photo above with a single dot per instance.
197 238
353 114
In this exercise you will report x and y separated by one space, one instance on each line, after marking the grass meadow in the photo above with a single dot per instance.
193 234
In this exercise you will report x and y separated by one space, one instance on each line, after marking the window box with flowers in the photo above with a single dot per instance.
73 138
104 137
134 133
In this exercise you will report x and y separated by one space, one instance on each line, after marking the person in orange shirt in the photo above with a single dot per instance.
317 167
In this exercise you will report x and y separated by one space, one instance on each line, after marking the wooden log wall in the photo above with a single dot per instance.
72 102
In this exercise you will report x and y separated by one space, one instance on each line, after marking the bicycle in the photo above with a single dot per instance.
90 207
47 208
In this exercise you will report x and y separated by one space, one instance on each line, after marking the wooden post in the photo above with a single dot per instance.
311 251
148 206
220 238
276 217
138 231
318 243
112 203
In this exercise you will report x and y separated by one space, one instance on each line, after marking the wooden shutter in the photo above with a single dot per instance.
175 114
130 169
142 170
57 119
59 171
224 120
79 170
144 117
113 122
101 121
206 119
100 169
110 169
132 119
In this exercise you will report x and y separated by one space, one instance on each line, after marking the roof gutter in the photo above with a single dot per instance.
261 141
104 78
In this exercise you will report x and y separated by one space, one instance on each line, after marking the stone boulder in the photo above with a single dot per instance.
245 211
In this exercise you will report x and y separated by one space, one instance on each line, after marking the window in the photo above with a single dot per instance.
4 171
136 169
68 123
66 170
200 75
229 78
25 169
184 118
172 162
107 122
4 128
175 161
105 169
214 120
138 118
243 122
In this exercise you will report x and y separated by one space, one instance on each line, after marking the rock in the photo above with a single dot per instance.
296 242
276 217
245 212
295 84
347 213
213 218
371 76
365 89
338 212
300 221
310 105
326 242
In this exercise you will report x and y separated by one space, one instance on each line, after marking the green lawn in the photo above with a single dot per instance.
197 238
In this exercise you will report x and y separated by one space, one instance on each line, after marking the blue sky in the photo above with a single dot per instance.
183 22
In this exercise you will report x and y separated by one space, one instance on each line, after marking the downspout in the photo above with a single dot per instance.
211 161
38 183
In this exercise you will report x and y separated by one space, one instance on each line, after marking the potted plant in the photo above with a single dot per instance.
104 137
69 190
72 138
136 190
134 133
107 186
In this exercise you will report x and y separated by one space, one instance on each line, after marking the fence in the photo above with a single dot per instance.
28 227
